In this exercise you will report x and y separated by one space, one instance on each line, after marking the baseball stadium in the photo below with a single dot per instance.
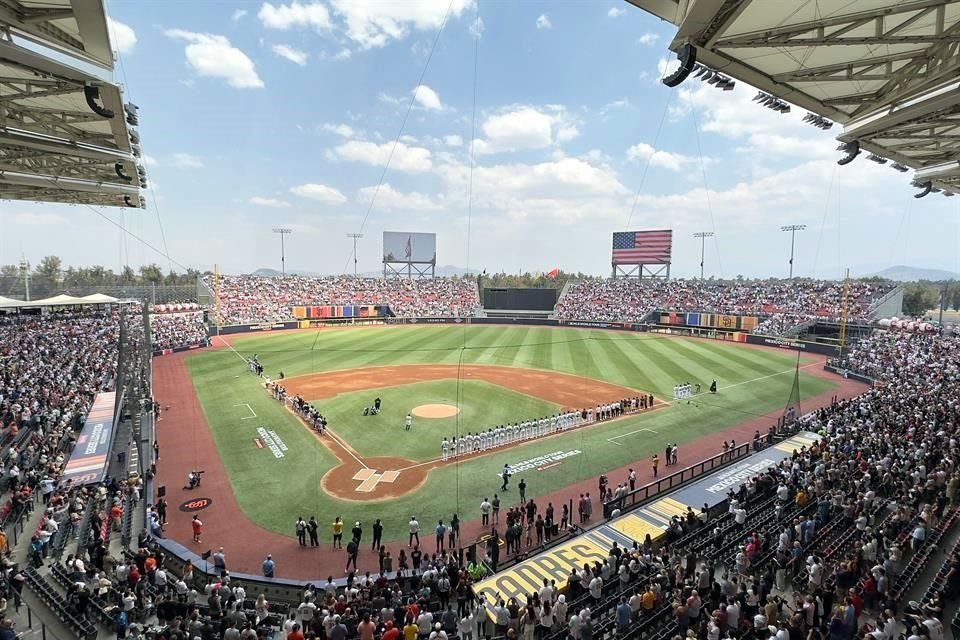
652 440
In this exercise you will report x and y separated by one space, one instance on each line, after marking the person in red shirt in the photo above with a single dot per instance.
295 633
392 632
198 529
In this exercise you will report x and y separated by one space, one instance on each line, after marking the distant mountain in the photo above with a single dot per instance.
903 273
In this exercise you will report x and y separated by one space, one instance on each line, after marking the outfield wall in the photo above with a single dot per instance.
700 332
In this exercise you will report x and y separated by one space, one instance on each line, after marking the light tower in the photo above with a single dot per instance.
283 231
703 235
792 228
355 236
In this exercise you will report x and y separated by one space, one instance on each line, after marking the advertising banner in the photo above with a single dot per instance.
88 462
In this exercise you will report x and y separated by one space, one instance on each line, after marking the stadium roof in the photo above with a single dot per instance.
76 27
885 69
64 134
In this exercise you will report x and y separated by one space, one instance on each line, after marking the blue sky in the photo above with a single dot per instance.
256 115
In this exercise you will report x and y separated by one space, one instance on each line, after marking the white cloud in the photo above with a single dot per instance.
616 12
564 190
149 161
274 203
343 54
213 56
543 22
286 16
427 98
122 37
186 161
453 141
524 128
405 158
374 23
389 199
648 39
238 14
477 27
319 192
665 67
343 130
293 55
658 158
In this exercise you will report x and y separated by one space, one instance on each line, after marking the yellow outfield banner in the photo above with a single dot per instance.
528 576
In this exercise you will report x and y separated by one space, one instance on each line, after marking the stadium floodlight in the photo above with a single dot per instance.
771 102
899 167
948 194
92 93
818 121
875 158
703 235
792 228
283 232
852 149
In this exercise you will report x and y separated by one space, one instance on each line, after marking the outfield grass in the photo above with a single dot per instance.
273 492
481 405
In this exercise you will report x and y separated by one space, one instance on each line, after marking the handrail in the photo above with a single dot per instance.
632 499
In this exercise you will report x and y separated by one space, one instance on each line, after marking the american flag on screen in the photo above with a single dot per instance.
642 247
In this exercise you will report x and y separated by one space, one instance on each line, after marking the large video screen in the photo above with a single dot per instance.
519 299
402 246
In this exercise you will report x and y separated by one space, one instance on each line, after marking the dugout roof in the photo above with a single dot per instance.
885 69
65 134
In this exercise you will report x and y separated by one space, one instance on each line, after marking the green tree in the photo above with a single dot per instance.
151 274
46 276
918 299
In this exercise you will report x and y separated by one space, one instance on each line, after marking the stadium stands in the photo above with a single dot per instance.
782 304
170 330
251 299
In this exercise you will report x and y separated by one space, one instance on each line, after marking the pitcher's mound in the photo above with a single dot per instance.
435 411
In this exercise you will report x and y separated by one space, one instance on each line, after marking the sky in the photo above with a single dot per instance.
331 117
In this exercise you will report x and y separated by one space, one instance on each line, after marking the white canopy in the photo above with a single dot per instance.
99 298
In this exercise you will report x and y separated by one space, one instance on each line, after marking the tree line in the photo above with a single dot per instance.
923 299
49 277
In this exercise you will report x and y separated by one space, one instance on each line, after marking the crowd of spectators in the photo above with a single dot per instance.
252 299
170 330
782 304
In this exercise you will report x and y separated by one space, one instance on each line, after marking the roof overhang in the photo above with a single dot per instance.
53 144
76 28
886 69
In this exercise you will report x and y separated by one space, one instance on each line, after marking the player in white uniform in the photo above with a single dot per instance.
408 422
444 449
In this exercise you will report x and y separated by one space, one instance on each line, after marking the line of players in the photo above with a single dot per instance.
509 434
685 390
530 429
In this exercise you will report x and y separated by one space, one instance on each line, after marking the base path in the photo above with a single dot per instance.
186 443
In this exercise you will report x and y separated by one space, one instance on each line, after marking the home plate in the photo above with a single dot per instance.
363 474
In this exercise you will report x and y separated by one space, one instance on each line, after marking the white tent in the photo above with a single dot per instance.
55 301
98 298
9 303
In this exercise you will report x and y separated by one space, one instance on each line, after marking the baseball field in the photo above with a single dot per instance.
369 466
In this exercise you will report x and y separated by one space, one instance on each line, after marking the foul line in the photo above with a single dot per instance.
301 421
253 414
624 435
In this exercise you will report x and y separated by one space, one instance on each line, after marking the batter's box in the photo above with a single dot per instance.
369 479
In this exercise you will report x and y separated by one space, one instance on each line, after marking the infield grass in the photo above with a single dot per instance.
482 405
273 492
